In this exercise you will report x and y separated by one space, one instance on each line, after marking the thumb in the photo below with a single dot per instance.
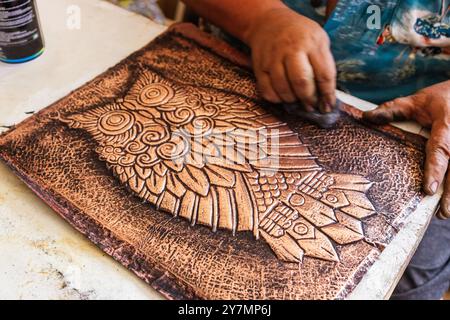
395 110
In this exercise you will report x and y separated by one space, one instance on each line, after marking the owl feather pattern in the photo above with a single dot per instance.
220 160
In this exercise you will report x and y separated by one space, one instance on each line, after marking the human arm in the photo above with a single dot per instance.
291 54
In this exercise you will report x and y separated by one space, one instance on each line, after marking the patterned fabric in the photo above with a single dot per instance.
397 52
148 8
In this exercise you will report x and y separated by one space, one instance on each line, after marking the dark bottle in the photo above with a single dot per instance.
20 36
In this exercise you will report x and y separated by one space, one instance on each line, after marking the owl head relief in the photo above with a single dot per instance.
220 160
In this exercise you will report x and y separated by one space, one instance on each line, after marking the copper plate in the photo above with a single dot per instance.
172 164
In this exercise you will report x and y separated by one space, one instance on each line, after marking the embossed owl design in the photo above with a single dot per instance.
219 160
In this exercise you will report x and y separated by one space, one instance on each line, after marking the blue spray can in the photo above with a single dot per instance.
20 36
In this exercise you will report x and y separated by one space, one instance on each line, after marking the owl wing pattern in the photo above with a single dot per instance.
220 160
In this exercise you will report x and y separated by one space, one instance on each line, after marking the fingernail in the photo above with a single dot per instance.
442 215
325 107
433 187
331 101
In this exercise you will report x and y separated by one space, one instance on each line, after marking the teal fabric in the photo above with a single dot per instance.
405 50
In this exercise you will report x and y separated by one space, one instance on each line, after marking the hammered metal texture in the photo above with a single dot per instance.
138 160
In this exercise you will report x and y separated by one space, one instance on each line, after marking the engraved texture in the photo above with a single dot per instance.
167 162
220 160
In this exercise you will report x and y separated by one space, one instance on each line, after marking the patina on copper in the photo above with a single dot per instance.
173 165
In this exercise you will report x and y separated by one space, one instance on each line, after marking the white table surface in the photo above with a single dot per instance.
41 256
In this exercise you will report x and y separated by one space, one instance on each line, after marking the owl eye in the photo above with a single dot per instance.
116 122
155 94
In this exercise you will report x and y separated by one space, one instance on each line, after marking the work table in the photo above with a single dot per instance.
42 256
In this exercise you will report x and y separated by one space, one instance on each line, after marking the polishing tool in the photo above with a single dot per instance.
322 120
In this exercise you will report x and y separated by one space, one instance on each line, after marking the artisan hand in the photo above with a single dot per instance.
292 60
430 107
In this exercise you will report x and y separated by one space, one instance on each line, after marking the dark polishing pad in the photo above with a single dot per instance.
322 120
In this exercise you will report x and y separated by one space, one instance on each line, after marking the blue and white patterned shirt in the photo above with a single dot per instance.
385 49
